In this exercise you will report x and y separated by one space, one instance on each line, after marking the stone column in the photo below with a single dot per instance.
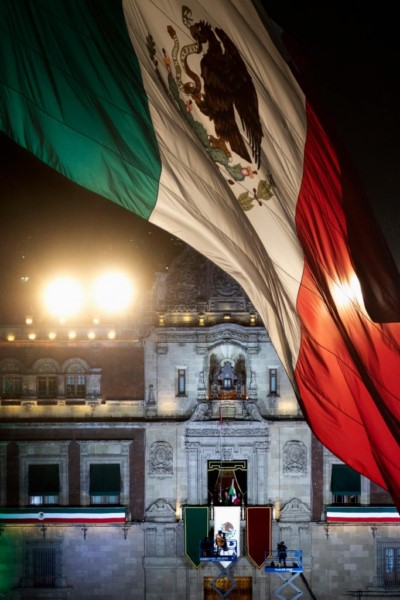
192 449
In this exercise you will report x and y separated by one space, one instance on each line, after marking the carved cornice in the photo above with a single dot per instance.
229 410
235 431
205 339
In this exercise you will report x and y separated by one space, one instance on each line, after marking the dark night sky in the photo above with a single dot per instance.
350 59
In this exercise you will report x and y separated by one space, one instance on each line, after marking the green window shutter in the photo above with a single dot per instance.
345 481
43 480
105 480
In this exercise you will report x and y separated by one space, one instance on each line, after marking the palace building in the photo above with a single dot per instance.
126 446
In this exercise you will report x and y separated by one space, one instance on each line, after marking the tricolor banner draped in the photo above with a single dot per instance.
63 515
197 525
362 514
259 533
187 115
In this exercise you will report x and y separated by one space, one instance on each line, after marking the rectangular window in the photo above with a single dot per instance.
345 485
388 564
43 565
105 484
181 382
11 386
43 484
75 386
47 386
273 381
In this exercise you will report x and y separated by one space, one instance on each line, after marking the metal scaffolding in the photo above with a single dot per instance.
287 570
224 560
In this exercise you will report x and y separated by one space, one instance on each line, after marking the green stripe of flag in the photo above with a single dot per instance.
89 109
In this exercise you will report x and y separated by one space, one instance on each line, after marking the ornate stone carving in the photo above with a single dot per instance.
223 283
160 461
295 510
10 365
262 445
295 458
75 365
231 334
203 412
46 365
201 387
151 400
192 445
227 453
160 511
251 412
235 431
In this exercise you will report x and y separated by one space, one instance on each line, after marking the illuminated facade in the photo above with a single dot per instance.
109 434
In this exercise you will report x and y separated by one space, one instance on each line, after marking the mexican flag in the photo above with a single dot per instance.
232 491
188 115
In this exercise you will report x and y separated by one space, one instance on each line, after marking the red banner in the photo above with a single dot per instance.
259 528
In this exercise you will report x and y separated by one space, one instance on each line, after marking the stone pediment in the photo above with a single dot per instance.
295 510
160 511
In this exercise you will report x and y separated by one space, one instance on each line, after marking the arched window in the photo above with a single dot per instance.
46 378
75 378
228 377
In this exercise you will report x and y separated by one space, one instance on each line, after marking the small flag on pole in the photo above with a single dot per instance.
232 491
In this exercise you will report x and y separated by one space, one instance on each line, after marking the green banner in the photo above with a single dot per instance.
197 524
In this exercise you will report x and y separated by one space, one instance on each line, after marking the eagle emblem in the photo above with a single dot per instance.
209 82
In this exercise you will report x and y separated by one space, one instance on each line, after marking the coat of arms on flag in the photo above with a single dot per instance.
209 87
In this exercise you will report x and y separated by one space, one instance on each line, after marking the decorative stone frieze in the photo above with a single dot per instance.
160 459
261 445
294 458
231 333
233 431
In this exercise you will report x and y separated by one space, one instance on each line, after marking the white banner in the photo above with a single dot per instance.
227 521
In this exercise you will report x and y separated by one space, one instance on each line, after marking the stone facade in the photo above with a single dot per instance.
189 384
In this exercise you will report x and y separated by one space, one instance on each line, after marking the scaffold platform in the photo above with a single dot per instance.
287 570
209 552
225 559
